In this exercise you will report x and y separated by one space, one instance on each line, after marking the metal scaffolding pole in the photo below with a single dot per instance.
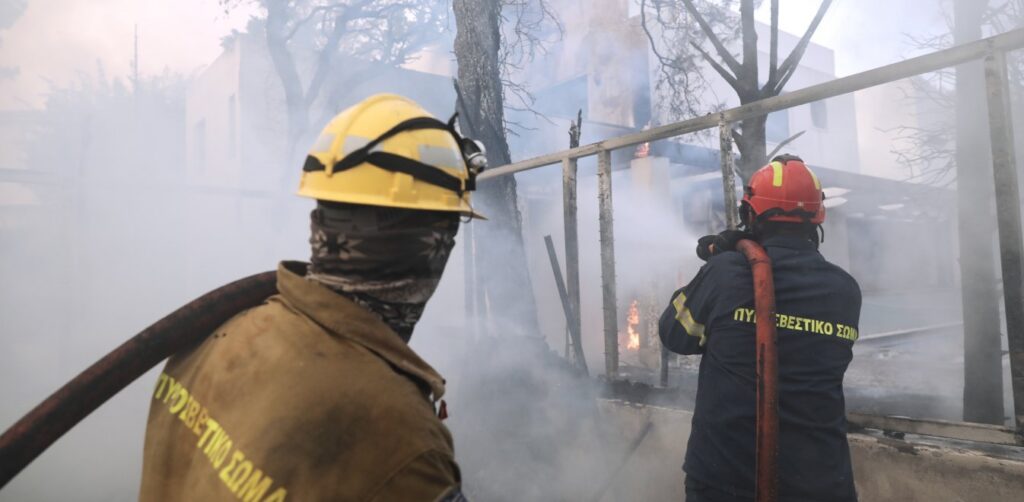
572 249
1008 218
611 317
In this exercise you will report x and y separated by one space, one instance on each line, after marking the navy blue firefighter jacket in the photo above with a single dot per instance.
818 307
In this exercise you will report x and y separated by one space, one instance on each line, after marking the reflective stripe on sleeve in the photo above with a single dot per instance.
685 318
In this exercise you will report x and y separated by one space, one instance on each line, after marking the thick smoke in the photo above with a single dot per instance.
107 224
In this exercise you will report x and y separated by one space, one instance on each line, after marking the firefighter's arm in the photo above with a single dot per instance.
431 476
681 327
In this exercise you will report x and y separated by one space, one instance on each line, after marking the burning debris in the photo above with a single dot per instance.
632 321
641 349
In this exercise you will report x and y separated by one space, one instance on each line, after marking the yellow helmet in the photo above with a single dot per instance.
389 151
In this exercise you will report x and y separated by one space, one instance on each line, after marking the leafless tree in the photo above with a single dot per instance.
528 28
928 150
299 32
494 38
685 30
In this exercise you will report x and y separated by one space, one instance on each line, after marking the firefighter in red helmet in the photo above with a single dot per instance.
817 313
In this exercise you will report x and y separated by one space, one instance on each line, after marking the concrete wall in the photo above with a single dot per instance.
890 469
885 469
212 159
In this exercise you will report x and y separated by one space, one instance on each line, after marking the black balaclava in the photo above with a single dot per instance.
386 260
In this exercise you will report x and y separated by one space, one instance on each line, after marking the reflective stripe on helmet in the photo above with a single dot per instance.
777 169
324 142
817 184
353 143
439 157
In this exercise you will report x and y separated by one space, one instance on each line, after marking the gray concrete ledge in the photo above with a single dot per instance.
914 468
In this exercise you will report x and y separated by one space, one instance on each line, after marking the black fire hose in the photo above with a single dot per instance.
183 328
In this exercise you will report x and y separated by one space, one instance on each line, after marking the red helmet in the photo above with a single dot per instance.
785 190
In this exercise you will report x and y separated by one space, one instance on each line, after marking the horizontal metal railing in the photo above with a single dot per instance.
927 63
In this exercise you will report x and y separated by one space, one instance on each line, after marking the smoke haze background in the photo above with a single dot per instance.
106 234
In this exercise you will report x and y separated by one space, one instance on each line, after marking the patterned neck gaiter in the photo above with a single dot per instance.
387 260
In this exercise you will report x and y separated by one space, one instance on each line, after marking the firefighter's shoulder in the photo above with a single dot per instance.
725 266
842 280
727 259
332 408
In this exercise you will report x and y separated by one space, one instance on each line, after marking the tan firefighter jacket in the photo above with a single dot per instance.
307 397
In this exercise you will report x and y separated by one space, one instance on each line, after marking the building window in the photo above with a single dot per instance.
199 145
819 114
232 127
777 126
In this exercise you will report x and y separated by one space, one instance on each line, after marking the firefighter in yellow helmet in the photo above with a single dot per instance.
315 395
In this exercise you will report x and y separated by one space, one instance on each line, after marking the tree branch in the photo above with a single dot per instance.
788 67
785 142
323 63
723 52
300 23
733 81
647 31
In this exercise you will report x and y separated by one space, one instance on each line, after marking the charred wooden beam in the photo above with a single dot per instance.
570 313
728 175
607 233
572 241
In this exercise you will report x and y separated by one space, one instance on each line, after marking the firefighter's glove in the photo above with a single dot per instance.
710 245
704 246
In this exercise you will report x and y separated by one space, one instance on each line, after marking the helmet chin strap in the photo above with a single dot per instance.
745 219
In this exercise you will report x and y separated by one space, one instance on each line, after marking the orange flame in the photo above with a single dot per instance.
632 321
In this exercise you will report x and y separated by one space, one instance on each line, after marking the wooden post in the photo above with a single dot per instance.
572 245
581 361
728 175
607 233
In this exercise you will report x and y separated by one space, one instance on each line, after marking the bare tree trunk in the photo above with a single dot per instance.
983 372
501 258
751 141
751 144
284 66
743 76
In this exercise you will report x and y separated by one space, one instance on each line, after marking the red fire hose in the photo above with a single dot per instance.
188 325
766 463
